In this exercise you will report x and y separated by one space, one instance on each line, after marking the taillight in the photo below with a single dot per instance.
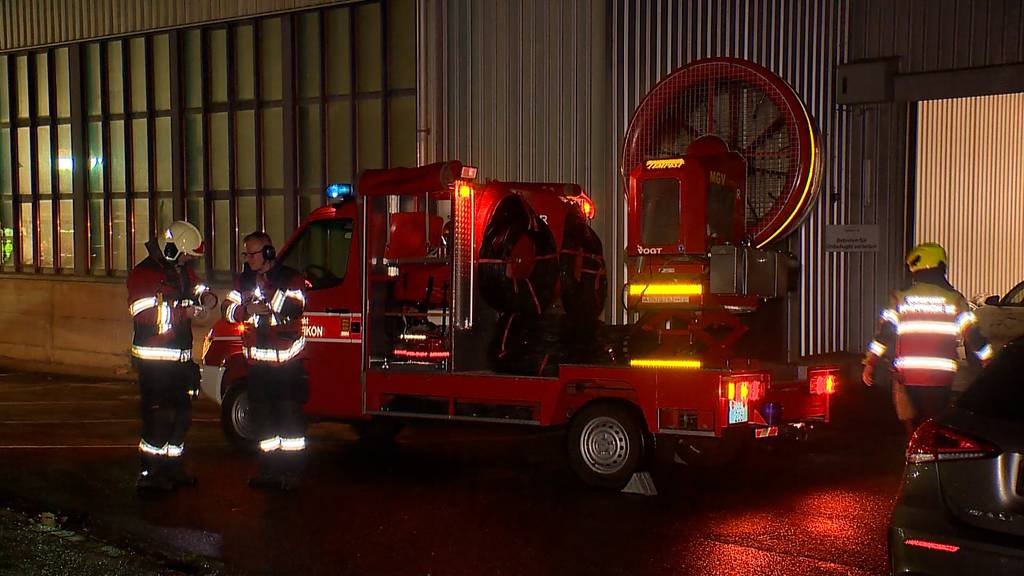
932 442
823 382
745 388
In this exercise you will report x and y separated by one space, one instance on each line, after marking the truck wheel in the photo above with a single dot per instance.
236 418
606 445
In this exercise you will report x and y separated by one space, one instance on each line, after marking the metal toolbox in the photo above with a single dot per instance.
747 272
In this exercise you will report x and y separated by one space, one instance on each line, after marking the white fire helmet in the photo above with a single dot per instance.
181 238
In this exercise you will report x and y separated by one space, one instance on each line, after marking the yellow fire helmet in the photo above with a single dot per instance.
181 238
925 256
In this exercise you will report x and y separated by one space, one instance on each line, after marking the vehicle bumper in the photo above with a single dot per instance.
210 382
975 554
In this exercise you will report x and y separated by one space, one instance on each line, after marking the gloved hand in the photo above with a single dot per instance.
194 380
867 376
200 313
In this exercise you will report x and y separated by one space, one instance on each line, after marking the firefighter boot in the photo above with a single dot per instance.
151 476
268 474
292 465
174 470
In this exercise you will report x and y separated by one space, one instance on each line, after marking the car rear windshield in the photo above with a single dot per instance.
998 392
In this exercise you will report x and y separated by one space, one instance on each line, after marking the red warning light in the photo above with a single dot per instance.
587 206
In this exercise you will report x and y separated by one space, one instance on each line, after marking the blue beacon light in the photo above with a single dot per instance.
339 191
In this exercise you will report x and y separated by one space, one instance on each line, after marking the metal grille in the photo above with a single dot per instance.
736 104
465 240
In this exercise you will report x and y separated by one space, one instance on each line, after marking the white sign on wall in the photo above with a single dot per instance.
851 238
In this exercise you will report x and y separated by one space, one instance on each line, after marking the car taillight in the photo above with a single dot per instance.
933 442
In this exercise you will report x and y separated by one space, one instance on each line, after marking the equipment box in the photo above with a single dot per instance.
747 271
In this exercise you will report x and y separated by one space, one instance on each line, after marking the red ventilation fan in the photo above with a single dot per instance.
755 113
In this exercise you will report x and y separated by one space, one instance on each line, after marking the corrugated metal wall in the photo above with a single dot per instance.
520 89
544 91
925 36
25 23
799 40
932 35
970 189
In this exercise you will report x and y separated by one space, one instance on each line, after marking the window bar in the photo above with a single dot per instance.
107 178
80 158
33 158
12 101
129 155
208 231
322 17
288 121
232 148
151 144
385 141
258 122
174 47
352 87
55 191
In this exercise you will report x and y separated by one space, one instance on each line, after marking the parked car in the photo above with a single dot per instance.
1001 318
961 504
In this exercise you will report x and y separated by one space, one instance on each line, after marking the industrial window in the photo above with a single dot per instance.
721 204
234 127
36 188
660 198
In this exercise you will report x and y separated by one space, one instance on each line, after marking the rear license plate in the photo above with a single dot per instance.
737 412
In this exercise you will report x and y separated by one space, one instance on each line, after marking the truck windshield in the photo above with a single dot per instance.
321 252
660 205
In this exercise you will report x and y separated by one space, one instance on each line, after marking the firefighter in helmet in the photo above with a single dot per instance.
268 300
918 336
163 295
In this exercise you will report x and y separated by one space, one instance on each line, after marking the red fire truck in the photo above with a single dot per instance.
435 294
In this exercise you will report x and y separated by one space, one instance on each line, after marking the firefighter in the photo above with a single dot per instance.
164 294
921 331
268 300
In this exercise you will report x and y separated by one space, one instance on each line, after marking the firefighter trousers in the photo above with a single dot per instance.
276 395
166 407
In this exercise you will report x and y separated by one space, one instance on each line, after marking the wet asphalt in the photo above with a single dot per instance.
443 500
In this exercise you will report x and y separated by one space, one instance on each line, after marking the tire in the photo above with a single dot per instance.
606 445
518 265
236 419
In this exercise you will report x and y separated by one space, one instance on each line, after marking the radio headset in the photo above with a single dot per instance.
268 252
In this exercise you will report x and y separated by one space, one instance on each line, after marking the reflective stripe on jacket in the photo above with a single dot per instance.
160 301
923 327
274 337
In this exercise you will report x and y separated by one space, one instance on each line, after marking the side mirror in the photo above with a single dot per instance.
992 301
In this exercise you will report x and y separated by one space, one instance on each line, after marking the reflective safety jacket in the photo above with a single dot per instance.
923 327
274 337
161 298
